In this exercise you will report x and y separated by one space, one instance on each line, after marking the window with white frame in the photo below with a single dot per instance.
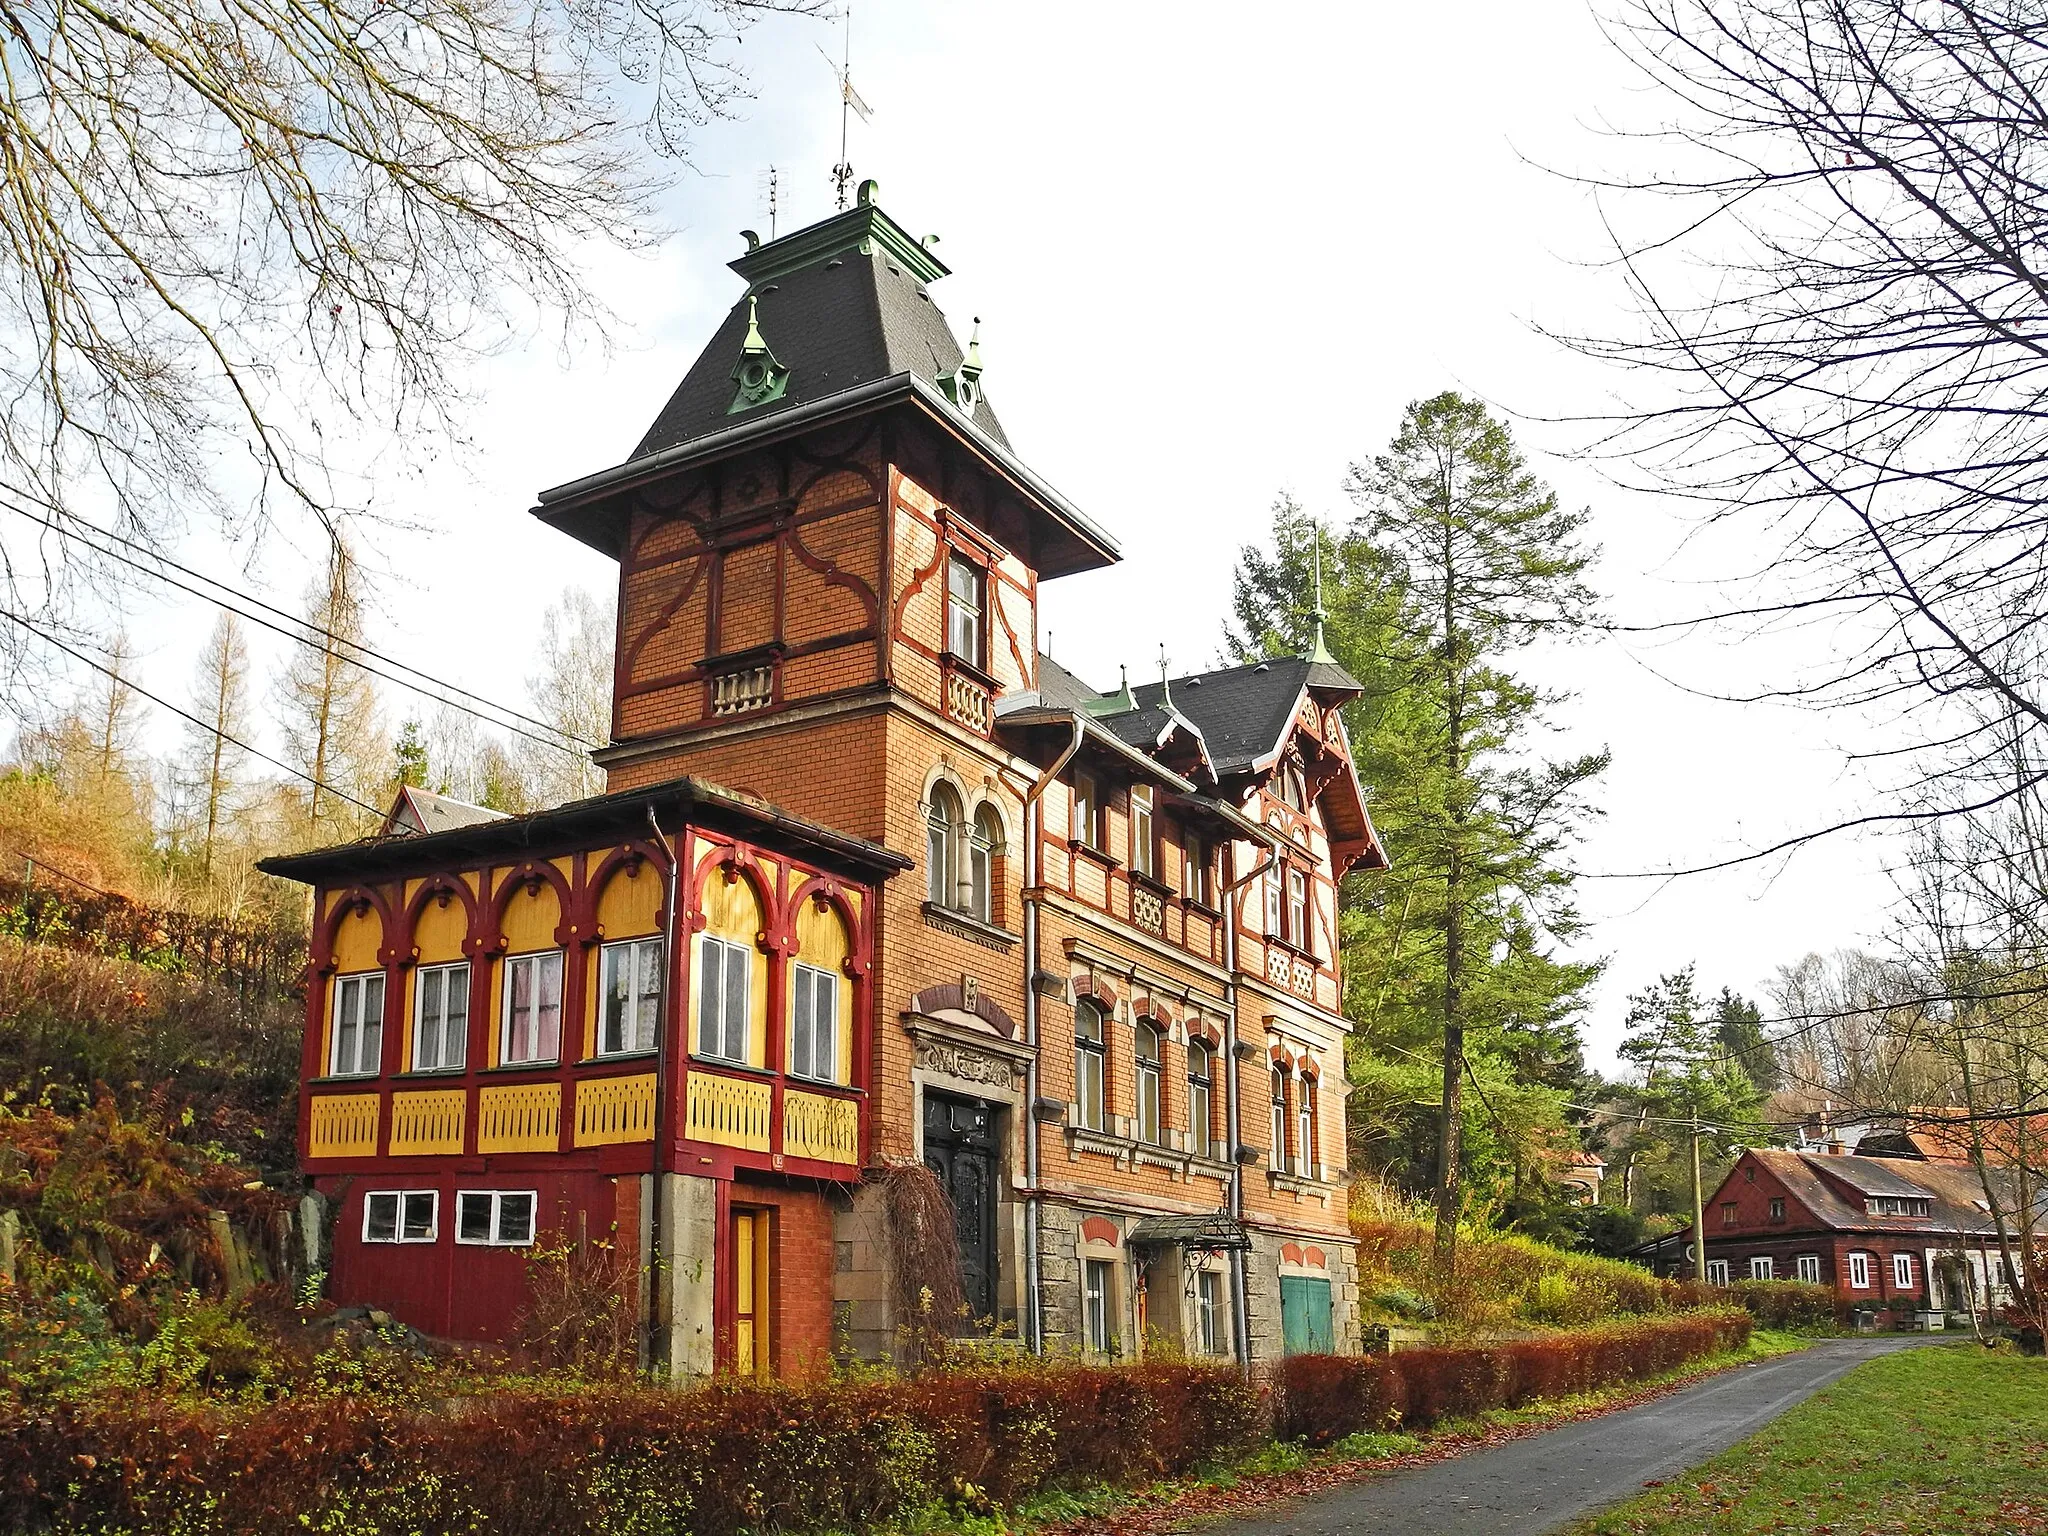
533 1009
1087 809
1271 888
725 996
1144 848
941 832
1297 908
1808 1267
630 1012
1717 1271
1902 1271
966 593
357 1043
1859 1271
1194 868
1761 1267
1305 1128
401 1216
1209 1311
502 1218
1280 1158
814 1023
1148 1084
440 1017
983 837
1201 1088
1095 1305
1089 1050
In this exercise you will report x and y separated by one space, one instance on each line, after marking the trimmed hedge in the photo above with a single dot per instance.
710 1462
1326 1397
722 1460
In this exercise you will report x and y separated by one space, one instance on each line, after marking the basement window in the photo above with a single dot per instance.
401 1216
499 1217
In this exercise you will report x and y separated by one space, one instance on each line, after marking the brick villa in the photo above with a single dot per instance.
924 897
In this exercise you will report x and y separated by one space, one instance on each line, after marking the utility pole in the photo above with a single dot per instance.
1699 1225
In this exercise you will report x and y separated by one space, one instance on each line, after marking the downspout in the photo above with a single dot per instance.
1240 1303
670 993
1034 873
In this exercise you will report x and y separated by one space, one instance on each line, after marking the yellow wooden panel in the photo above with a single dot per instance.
427 1122
630 904
524 1117
614 1109
728 1111
814 1125
343 1125
440 930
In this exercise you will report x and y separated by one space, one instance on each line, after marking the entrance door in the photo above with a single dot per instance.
960 1147
1304 1315
750 1293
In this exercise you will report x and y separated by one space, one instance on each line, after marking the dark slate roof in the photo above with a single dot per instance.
1060 689
843 318
1956 1195
1242 712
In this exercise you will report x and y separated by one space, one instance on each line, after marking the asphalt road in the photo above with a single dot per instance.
1544 1482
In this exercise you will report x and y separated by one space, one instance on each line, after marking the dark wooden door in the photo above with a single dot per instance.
960 1147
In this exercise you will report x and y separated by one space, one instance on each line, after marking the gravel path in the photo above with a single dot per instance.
1543 1483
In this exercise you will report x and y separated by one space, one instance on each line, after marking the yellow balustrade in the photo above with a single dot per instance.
614 1109
523 1117
814 1125
342 1125
427 1122
728 1111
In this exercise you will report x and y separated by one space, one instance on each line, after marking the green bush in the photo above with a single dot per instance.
1500 1281
1791 1306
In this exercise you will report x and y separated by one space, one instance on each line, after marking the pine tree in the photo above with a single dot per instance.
573 692
410 765
1487 560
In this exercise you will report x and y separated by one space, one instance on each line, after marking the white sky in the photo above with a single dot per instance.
1215 252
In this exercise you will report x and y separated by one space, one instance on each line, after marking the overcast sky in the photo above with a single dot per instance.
1215 252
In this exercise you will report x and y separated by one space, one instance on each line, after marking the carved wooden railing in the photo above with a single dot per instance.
342 1125
615 1109
427 1121
817 1126
522 1117
727 1111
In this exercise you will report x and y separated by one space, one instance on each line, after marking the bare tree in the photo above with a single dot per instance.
229 232
328 705
1844 280
573 693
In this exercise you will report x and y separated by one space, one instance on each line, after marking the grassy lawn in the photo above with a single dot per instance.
1929 1441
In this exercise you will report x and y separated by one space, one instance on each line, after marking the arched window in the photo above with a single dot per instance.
1089 1050
1305 1112
983 838
941 828
1148 1084
1280 1158
1201 1084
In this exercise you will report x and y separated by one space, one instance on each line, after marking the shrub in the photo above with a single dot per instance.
1795 1306
1326 1397
1500 1280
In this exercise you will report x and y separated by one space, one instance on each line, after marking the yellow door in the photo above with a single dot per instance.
751 1352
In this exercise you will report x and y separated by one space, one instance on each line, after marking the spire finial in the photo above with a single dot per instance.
757 377
1319 650
1165 683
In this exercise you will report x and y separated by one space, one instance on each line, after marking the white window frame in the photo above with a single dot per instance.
813 1023
1098 1305
1717 1272
642 959
1762 1267
1902 1271
1091 1057
1151 1120
942 846
983 833
537 961
1201 1097
436 978
1305 1123
1087 817
1807 1267
498 1197
719 954
1279 1097
403 1199
1297 908
1144 845
1859 1271
356 984
966 614
1209 1311
1270 886
1194 869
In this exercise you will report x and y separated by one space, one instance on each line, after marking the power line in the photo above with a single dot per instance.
490 714
258 752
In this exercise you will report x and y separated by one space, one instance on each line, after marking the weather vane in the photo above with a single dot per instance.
849 101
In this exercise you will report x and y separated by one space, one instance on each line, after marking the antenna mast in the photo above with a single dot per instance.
842 173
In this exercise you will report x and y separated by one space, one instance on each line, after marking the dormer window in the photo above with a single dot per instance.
966 604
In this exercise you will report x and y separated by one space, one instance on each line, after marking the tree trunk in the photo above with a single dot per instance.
1449 1191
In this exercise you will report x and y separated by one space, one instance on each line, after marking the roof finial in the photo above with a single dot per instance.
1122 702
962 382
1319 650
757 377
1165 685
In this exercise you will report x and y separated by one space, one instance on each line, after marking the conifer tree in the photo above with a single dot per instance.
1487 560
214 753
328 705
